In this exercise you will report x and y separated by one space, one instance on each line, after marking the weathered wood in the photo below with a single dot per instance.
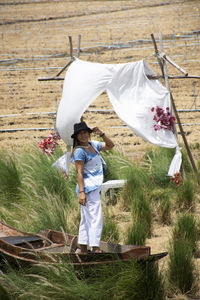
164 67
183 135
63 69
52 245
175 111
71 46
151 77
157 54
154 77
56 78
174 64
79 45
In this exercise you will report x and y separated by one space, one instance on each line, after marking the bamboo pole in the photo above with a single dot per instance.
71 46
157 54
57 78
175 111
151 77
174 64
79 45
69 62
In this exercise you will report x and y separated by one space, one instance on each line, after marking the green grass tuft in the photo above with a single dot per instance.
181 266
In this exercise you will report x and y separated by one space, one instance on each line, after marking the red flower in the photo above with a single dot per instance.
49 145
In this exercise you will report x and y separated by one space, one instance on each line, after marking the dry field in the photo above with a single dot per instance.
34 43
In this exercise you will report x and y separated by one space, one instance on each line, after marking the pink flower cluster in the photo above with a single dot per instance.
48 145
163 118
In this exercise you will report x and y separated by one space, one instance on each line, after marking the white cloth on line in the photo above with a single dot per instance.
91 224
131 94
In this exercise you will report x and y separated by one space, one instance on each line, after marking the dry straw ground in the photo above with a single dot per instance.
34 43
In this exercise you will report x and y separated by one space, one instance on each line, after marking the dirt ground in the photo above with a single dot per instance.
34 44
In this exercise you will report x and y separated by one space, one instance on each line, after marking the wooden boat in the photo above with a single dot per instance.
49 246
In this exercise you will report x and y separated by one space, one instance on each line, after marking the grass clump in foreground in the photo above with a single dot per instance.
182 272
186 195
187 229
45 199
181 268
59 281
10 180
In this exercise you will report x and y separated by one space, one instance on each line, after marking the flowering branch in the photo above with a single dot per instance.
48 145
163 118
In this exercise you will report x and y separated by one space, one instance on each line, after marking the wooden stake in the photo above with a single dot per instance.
63 69
79 45
151 77
174 64
157 54
175 111
71 46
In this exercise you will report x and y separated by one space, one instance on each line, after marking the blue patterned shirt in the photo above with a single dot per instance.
93 169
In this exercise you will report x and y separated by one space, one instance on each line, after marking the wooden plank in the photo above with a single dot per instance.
18 240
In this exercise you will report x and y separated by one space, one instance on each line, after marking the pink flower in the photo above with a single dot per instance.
49 145
163 118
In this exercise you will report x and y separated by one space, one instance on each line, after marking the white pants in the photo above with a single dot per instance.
91 220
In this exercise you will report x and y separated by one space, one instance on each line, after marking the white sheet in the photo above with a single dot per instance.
131 93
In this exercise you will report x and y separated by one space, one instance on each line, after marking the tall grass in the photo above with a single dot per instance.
59 281
161 203
186 229
186 195
182 271
117 165
137 181
141 210
43 198
110 231
37 168
10 180
137 233
157 162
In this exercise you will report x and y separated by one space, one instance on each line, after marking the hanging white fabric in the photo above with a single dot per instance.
130 91
63 162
